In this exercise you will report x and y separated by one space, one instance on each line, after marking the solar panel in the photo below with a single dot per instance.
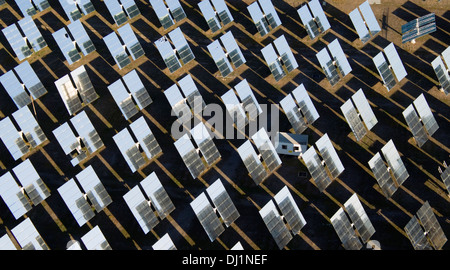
117 50
69 94
31 81
66 45
162 11
275 224
116 11
319 15
190 156
137 89
442 74
395 162
15 89
446 56
164 243
344 230
445 176
222 10
123 99
270 13
160 199
130 8
95 240
413 122
75 201
145 137
316 169
431 225
85 6
140 208
293 114
87 142
419 27
364 109
232 48
360 26
249 101
258 18
395 61
382 175
178 104
168 54
359 217
83 85
425 114
204 141
330 156
71 9
340 58
353 120
290 210
176 9
30 180
367 26
6 242
26 7
13 196
181 45
220 58
273 62
28 237
305 103
34 37
210 15
252 162
267 150
81 37
131 42
287 57
12 138
191 93
30 130
17 41
328 67
86 132
207 217
416 235
235 109
369 18
308 21
129 149
385 72
222 201
93 188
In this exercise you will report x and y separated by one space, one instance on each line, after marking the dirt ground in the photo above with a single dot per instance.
54 221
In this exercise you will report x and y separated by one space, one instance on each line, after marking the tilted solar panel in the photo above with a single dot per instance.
131 42
359 217
340 58
306 105
232 48
267 150
81 37
220 58
235 109
137 89
353 120
249 101
258 18
30 180
31 31
385 72
145 137
425 114
17 42
13 197
29 127
382 175
94 189
252 162
158 195
71 9
116 11
167 53
140 208
207 217
275 224
395 162
316 169
290 210
344 230
162 12
330 156
117 50
273 62
395 62
285 53
28 237
210 15
95 240
181 45
190 156
222 201
204 141
77 204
